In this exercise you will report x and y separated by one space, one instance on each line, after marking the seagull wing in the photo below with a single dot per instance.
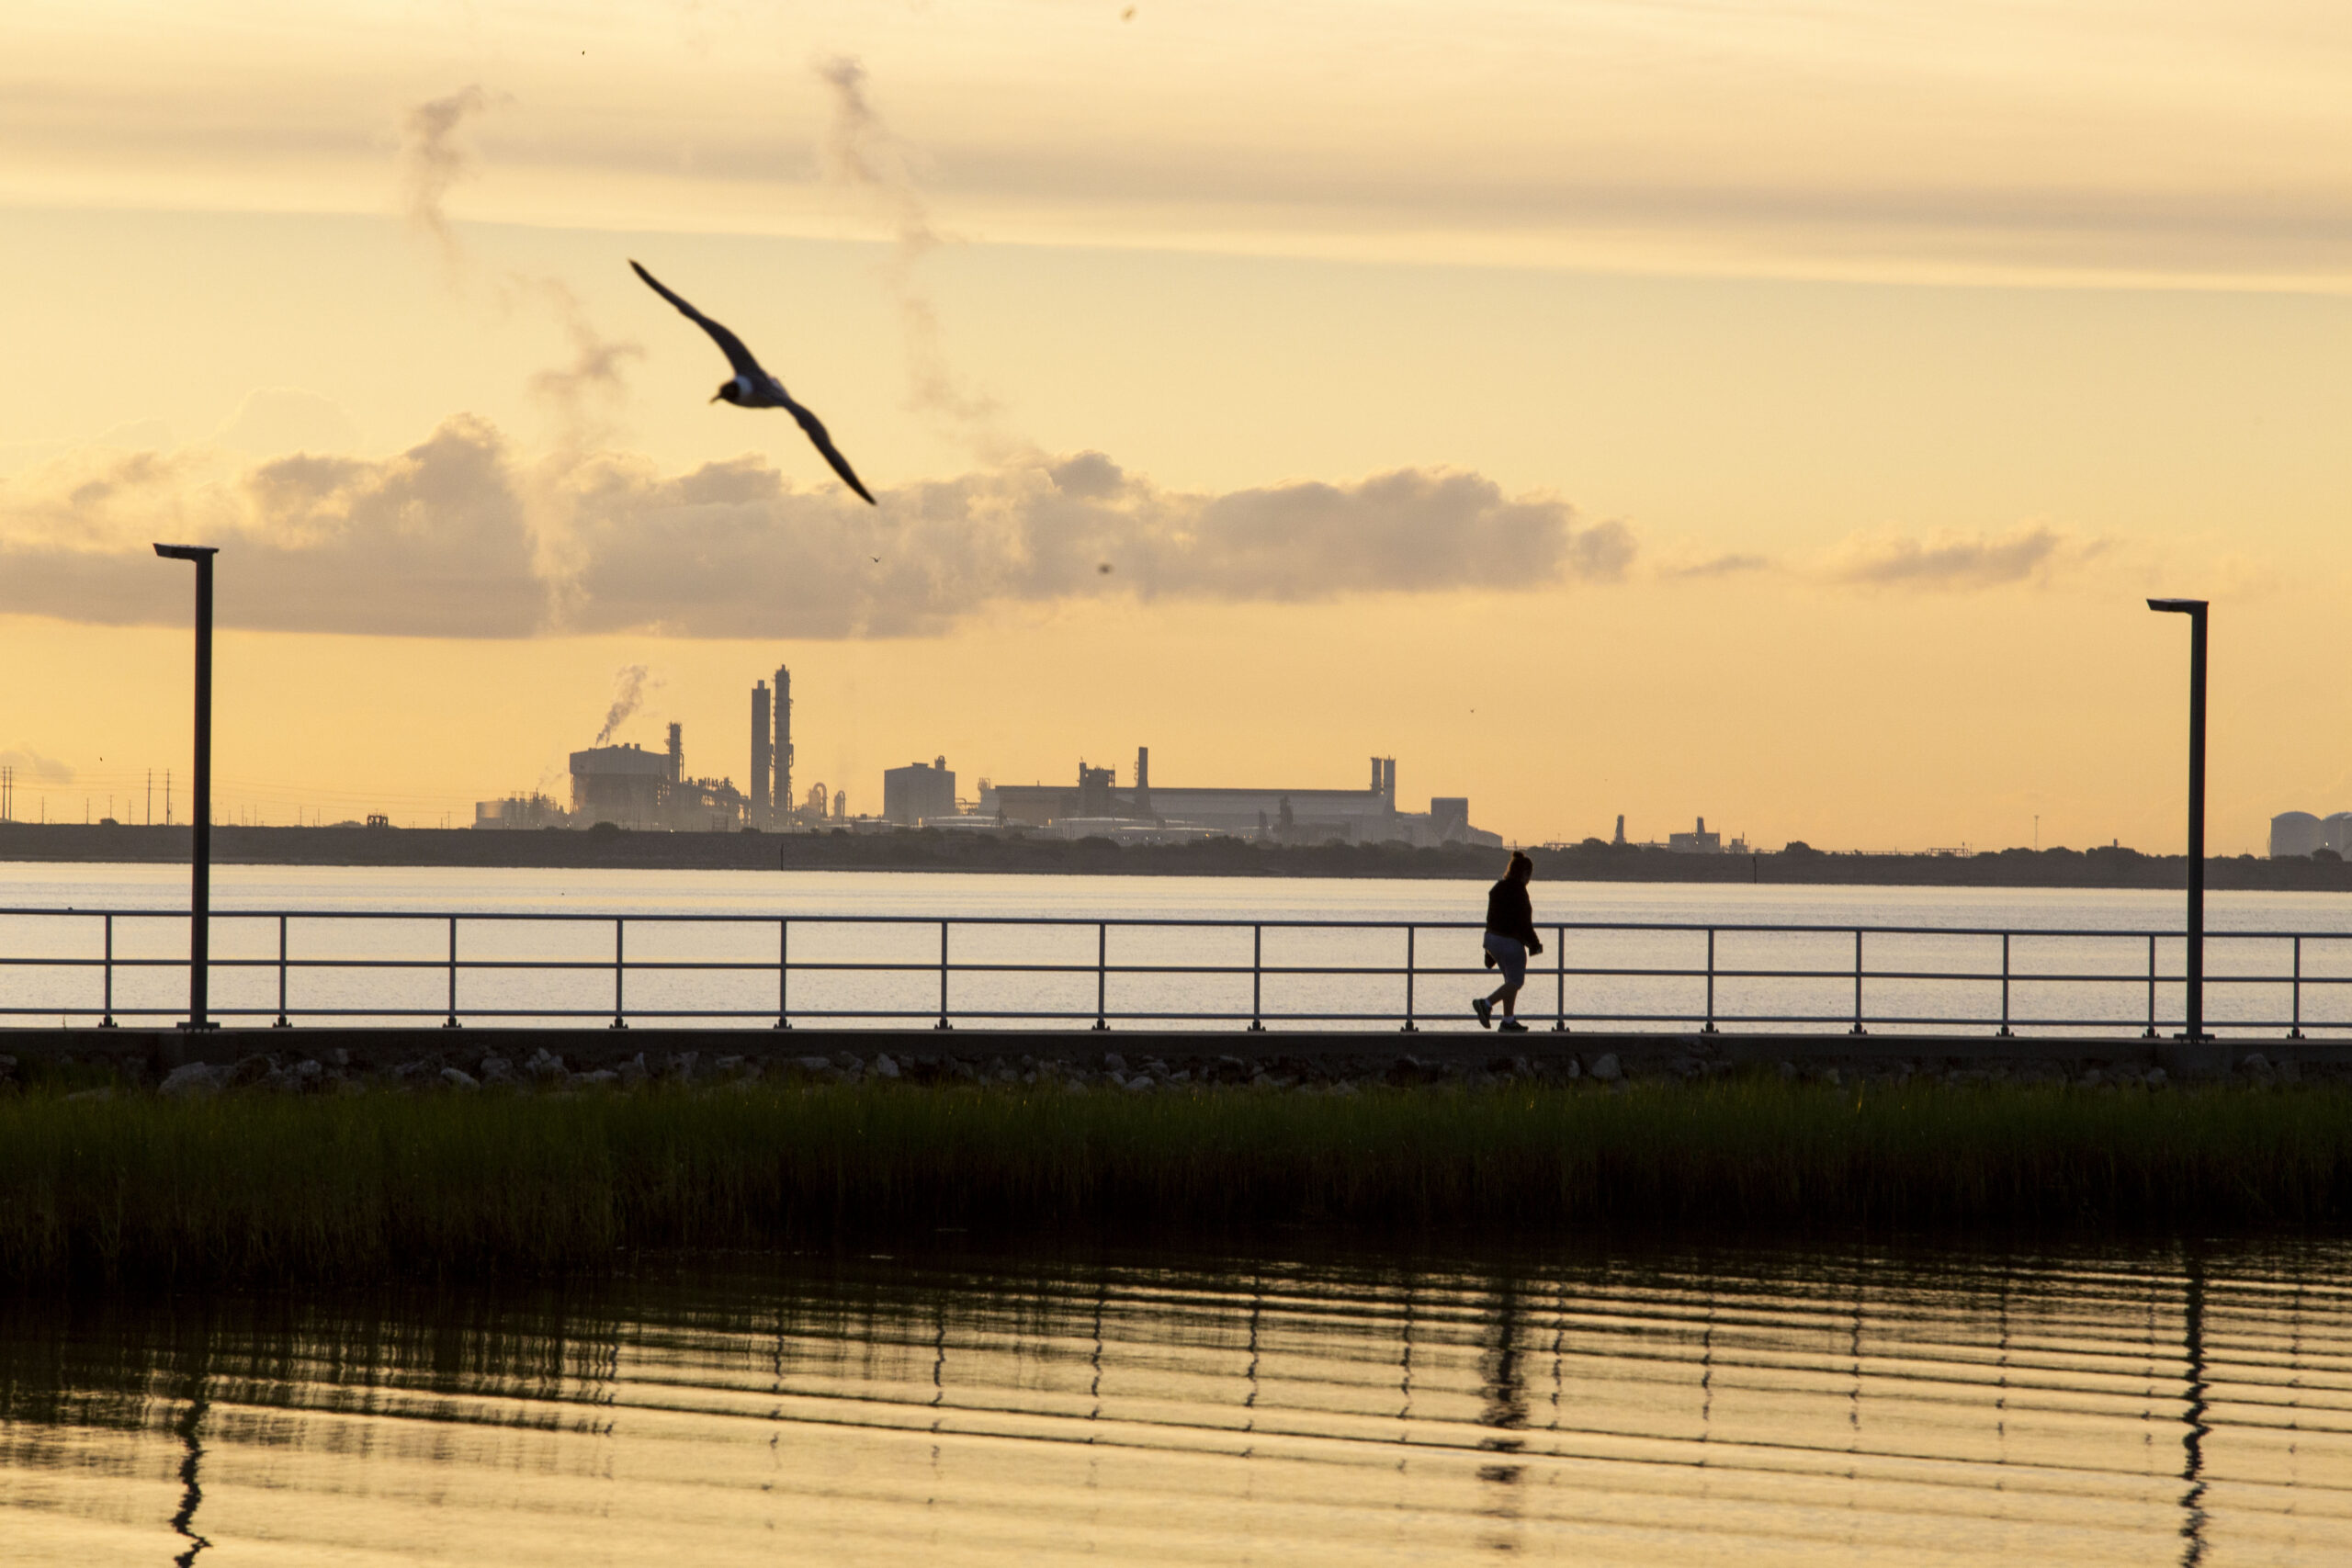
814 428
728 344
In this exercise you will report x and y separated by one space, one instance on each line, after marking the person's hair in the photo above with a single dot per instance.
1519 865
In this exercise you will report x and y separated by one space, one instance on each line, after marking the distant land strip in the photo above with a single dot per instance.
921 850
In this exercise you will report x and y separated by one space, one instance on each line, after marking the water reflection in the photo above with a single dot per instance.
1814 1407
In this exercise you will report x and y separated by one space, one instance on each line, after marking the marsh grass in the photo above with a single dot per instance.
381 1186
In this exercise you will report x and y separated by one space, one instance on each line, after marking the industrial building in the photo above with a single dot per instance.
2298 833
916 790
631 787
1096 802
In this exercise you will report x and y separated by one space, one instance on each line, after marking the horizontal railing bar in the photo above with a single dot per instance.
1142 921
932 967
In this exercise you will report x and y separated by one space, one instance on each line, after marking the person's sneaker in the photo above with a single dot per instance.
1511 1026
1485 1009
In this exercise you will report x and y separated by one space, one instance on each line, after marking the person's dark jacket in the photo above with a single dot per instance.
1510 913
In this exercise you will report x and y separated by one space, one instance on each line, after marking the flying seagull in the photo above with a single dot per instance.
753 388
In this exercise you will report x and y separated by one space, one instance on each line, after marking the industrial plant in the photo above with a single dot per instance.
630 787
2299 834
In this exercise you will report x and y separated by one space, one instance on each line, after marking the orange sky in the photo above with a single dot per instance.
1775 414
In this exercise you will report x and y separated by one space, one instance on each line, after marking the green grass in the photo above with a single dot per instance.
255 1187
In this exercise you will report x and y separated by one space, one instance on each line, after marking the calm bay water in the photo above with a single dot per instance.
645 896
1797 1407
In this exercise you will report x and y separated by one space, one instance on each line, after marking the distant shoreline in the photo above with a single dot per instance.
913 851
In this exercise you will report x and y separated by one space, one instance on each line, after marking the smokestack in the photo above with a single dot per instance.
762 754
677 751
783 738
1375 776
1621 828
1388 781
1143 767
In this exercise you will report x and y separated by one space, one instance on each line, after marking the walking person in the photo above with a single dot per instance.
1510 938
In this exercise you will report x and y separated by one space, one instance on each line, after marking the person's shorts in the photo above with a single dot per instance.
1510 957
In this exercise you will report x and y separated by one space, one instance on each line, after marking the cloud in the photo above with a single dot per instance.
30 766
459 536
287 419
431 542
1951 560
1730 564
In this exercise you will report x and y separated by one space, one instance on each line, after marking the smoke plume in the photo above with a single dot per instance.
862 156
433 159
628 694
592 378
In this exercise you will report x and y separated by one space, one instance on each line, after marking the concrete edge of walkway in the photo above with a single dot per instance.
1685 1053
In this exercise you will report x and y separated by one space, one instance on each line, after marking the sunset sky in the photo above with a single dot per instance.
1777 413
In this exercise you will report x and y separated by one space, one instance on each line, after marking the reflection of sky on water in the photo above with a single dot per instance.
1820 1407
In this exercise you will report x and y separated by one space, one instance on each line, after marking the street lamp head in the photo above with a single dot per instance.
187 552
2170 607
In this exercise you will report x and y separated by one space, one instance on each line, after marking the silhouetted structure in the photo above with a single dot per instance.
1097 807
916 790
2295 834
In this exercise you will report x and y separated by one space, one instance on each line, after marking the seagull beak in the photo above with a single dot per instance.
714 397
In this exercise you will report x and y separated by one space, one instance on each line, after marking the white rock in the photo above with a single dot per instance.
599 1076
195 1079
1114 1062
884 1067
1071 1086
2157 1077
1140 1084
458 1078
1607 1068
813 1063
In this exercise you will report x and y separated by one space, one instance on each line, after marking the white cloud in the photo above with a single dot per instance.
460 536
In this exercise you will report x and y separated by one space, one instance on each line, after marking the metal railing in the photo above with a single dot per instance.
1708 994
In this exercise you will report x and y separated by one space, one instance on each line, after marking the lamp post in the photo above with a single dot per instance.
200 897
2194 609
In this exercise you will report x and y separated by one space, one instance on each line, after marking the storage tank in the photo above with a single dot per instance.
2294 833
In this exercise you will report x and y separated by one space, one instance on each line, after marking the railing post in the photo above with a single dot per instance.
1102 970
1858 983
282 1022
2296 1033
943 1022
106 1021
1710 984
2152 985
1560 976
1410 1027
451 1023
1257 977
620 969
784 971
2004 983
